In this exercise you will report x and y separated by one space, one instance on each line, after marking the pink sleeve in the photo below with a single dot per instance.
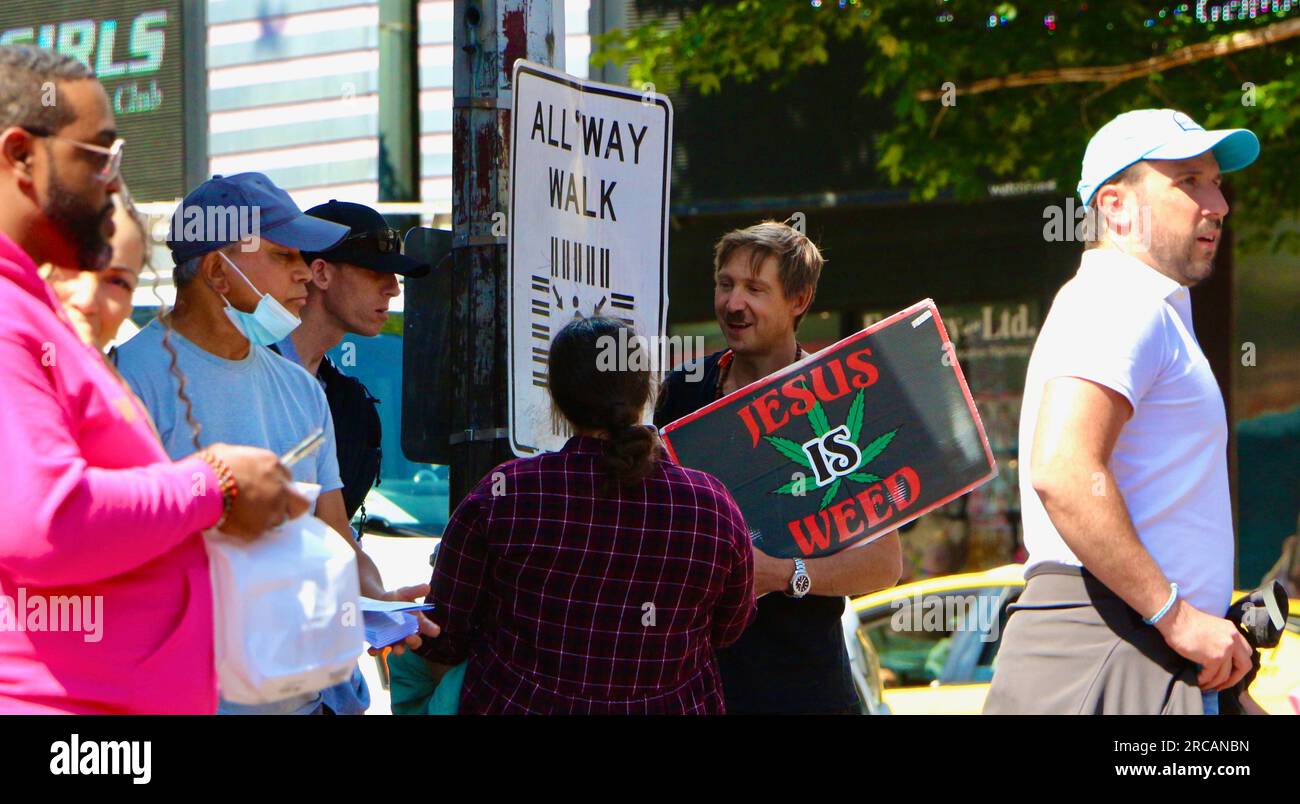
67 523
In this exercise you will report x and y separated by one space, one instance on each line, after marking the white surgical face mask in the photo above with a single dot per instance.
270 322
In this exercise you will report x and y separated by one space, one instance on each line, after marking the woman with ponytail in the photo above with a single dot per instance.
599 579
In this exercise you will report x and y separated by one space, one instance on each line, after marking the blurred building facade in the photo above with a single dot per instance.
293 92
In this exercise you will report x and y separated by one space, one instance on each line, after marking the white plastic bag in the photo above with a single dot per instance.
286 610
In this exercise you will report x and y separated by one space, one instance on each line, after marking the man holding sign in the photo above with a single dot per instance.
792 659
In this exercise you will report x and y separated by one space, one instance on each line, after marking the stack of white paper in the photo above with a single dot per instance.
388 622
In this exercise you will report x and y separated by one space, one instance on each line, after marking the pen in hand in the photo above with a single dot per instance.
303 448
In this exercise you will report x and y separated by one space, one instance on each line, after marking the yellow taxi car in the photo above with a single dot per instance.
936 641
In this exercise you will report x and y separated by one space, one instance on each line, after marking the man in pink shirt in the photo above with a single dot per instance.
105 602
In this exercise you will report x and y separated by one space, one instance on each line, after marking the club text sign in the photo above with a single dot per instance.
135 49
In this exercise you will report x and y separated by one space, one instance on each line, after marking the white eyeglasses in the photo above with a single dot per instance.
112 155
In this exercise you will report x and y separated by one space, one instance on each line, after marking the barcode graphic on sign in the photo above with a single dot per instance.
623 301
579 262
542 306
540 357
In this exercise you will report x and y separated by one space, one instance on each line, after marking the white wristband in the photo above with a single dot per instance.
1169 604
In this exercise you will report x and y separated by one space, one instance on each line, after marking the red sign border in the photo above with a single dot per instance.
794 368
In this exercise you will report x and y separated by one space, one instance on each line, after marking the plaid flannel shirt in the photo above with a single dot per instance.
565 600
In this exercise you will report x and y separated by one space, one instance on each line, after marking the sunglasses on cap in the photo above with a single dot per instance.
388 241
110 158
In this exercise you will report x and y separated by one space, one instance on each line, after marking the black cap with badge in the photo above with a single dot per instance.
372 243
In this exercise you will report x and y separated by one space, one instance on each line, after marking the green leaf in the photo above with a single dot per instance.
830 493
707 83
789 449
854 421
902 50
877 446
769 58
891 156
817 418
864 477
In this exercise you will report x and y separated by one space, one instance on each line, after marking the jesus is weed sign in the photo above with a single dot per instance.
848 444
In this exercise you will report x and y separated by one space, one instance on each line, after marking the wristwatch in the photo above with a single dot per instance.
800 583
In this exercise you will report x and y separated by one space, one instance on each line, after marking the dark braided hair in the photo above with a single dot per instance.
164 318
601 380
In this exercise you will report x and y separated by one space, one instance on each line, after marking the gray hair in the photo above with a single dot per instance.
184 273
25 72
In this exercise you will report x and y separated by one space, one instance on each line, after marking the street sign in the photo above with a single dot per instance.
847 444
588 226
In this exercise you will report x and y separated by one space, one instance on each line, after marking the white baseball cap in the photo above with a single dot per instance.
1159 134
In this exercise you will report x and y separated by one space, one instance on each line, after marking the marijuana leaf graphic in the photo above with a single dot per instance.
820 427
830 493
817 418
789 449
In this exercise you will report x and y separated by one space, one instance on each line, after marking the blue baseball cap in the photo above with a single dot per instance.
1159 134
225 209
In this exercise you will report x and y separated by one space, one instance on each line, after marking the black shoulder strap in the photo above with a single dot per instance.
678 397
358 433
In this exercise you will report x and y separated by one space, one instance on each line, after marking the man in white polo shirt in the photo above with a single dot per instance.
1123 447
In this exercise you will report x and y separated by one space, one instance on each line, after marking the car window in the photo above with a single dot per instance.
924 640
410 496
988 653
975 644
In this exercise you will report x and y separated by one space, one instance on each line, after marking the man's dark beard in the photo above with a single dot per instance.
79 223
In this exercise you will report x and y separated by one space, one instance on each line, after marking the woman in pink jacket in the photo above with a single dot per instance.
105 602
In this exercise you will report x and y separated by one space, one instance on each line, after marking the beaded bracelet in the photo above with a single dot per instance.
229 488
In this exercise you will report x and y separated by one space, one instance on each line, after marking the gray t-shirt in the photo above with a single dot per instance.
263 401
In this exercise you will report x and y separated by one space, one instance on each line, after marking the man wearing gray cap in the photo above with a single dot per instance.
205 374
1123 447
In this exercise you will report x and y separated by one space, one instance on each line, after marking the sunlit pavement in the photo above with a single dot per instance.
402 561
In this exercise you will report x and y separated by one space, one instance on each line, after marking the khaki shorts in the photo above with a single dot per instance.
1071 646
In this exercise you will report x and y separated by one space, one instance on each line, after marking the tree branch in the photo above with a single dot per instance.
1118 73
